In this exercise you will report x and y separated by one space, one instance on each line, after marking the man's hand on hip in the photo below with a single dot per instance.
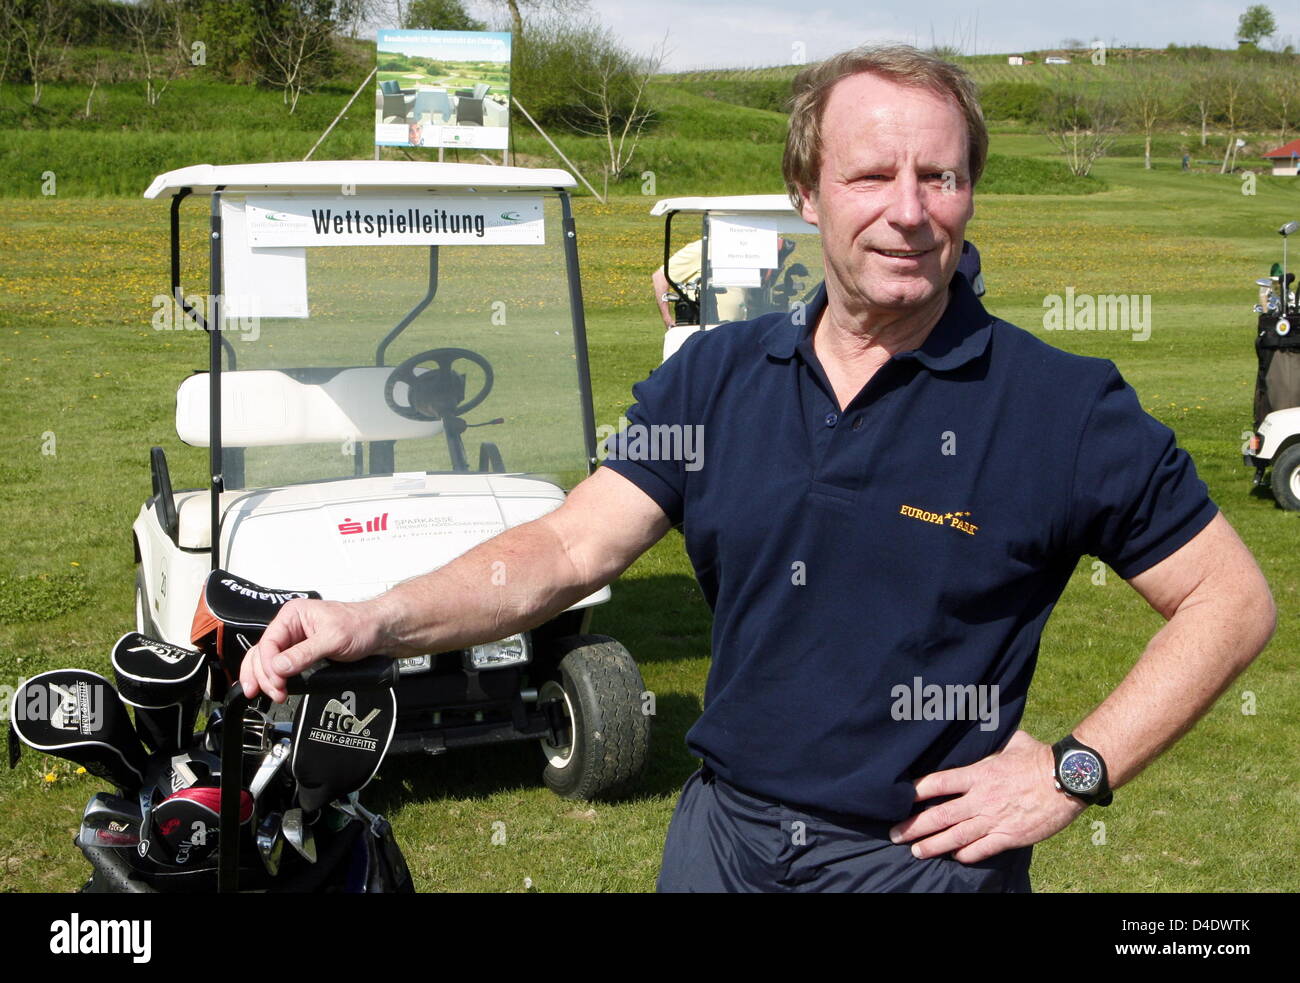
1006 800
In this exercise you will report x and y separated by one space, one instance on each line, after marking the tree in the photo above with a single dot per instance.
36 28
143 22
1256 24
616 101
1281 97
439 15
1233 92
297 38
1081 123
516 8
1146 99
1202 81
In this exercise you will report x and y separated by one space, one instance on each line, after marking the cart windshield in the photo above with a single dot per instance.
322 371
757 263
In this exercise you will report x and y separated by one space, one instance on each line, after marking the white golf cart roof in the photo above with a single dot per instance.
725 203
312 174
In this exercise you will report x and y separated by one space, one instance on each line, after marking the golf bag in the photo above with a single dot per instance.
1277 385
215 810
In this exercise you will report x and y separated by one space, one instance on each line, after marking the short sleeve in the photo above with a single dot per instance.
685 264
648 450
1136 496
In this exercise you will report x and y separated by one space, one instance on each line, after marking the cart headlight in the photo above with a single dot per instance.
512 651
416 663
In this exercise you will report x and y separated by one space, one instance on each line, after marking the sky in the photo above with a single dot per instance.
753 33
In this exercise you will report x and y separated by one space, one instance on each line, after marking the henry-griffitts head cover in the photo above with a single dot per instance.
164 683
76 714
339 740
232 613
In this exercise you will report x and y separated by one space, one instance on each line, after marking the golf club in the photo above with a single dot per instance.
270 842
269 768
110 821
1286 232
299 835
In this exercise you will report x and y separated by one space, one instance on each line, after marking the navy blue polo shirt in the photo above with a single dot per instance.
918 537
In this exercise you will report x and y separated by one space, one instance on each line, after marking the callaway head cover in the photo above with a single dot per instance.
231 615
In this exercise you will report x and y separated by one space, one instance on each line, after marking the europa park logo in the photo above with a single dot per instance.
956 520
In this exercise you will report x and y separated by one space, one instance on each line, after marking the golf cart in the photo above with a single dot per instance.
359 312
1275 441
754 254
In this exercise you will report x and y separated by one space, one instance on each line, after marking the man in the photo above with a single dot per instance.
897 489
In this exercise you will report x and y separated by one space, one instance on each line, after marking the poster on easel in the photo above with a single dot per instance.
443 89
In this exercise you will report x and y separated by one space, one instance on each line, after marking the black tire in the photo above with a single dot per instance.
601 690
1286 478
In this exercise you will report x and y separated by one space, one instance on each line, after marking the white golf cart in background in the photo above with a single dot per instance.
754 254
1275 441
359 312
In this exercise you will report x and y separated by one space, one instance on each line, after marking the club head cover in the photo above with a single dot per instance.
75 714
339 741
231 615
189 822
164 683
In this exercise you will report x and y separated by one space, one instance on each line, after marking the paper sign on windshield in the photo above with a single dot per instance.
749 244
346 220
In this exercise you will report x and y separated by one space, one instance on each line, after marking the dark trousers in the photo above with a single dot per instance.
724 839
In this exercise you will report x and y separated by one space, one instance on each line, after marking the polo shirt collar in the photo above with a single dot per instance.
961 335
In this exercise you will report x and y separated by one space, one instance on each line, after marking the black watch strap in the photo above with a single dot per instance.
1099 793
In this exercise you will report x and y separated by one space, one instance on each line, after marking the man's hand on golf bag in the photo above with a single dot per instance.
305 632
549 564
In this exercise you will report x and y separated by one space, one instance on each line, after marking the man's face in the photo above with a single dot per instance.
893 195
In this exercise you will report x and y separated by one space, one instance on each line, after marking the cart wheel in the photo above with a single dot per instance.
1286 478
600 689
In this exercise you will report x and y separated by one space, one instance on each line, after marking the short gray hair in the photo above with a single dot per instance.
897 63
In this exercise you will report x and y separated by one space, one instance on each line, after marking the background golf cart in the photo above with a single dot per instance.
756 255
730 284
335 408
1275 442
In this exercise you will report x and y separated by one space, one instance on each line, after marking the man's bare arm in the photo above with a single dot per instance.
1220 616
662 287
510 583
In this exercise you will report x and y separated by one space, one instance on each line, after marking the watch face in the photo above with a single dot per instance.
1080 772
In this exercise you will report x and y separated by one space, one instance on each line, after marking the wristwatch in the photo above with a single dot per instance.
1081 772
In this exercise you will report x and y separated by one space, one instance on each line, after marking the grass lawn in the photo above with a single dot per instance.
1218 813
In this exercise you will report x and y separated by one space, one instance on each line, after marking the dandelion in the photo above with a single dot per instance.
51 777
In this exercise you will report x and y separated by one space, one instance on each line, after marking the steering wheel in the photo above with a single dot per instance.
438 393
